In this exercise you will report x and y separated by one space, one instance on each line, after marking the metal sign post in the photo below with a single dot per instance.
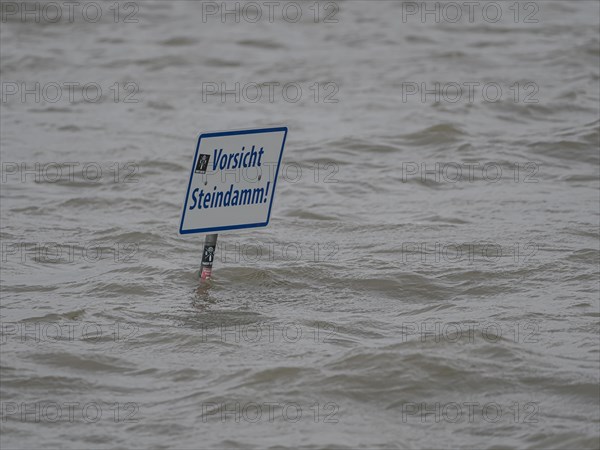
208 256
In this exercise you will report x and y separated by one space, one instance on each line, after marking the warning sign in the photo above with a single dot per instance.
233 178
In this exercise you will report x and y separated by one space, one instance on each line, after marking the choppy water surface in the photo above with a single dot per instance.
389 304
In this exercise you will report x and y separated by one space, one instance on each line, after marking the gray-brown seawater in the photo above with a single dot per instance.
429 277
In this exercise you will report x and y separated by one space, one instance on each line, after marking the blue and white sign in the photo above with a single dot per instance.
233 178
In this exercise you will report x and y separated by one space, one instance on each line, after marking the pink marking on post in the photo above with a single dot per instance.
206 273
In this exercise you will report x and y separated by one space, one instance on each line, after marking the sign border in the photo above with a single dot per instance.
232 227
